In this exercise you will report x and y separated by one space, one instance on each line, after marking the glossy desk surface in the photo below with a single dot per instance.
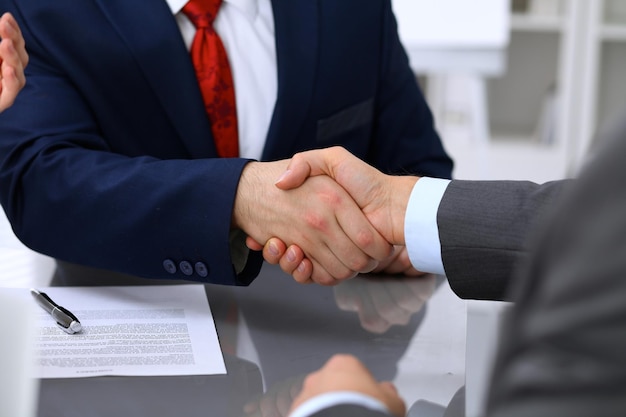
408 330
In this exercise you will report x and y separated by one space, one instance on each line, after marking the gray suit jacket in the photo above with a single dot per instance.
563 351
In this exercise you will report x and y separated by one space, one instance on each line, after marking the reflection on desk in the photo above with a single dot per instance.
276 331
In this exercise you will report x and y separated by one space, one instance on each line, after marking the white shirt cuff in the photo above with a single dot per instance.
421 233
323 401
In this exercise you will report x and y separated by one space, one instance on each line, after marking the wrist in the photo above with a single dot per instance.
245 188
400 195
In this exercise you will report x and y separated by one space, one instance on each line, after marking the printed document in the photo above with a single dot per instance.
129 330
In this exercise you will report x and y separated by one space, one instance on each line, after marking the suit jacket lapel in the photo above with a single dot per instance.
151 33
296 28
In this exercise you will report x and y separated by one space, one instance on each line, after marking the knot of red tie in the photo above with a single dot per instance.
202 12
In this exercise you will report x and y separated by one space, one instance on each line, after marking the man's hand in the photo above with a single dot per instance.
383 199
319 216
346 373
13 60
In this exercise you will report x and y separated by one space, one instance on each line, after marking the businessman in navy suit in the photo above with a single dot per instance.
107 158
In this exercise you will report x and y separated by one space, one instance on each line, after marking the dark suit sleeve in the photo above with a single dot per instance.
483 229
564 347
92 172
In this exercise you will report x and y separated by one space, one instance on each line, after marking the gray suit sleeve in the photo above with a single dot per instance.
563 351
483 228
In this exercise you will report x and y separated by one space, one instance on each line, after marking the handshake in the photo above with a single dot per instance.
326 217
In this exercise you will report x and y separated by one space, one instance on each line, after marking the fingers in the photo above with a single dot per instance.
304 272
275 251
364 236
359 246
291 260
10 82
381 197
9 29
13 59
306 164
356 244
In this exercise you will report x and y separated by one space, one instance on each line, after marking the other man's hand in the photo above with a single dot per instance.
346 373
13 60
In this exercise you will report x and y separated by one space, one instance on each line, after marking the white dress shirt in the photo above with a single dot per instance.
421 233
246 28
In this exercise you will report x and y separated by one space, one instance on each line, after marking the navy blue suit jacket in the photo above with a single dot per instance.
106 158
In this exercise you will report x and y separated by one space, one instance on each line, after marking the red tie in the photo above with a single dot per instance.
214 77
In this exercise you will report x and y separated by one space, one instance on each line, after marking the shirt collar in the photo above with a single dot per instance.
249 7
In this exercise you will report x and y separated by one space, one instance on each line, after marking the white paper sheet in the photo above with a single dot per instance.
134 330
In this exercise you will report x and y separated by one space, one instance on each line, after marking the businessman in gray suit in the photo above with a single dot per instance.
562 352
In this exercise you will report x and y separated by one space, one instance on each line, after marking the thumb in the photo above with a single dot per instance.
309 164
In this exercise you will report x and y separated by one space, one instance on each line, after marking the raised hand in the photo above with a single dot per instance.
13 60
320 217
346 373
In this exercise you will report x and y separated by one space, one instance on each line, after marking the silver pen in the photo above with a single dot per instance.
64 318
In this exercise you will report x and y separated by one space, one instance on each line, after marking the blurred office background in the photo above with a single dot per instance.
518 87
